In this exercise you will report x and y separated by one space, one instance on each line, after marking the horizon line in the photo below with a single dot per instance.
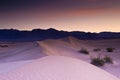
55 29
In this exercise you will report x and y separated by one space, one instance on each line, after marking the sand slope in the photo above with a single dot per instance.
64 47
18 54
70 46
57 68
20 51
25 61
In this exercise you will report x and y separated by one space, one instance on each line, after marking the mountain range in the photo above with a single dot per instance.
42 34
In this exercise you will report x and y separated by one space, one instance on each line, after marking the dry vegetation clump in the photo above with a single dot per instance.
3 46
107 59
110 49
97 49
84 51
100 61
97 61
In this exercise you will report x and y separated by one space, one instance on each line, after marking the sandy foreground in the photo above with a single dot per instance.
58 60
57 68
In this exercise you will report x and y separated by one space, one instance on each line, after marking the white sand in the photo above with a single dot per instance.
70 47
18 54
24 60
57 68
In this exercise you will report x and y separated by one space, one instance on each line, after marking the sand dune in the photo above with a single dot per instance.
57 68
18 54
62 48
70 47
20 51
24 60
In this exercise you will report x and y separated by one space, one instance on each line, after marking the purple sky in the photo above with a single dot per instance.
81 15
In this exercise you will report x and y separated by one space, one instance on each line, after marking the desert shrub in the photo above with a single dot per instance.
107 59
110 49
3 46
100 61
97 49
97 61
84 51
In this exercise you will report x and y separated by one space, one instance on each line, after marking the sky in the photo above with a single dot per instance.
68 15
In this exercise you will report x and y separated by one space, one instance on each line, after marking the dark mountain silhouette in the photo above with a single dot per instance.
40 34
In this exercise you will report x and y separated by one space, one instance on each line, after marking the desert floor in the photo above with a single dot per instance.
19 54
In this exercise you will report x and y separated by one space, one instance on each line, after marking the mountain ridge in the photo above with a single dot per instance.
42 34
